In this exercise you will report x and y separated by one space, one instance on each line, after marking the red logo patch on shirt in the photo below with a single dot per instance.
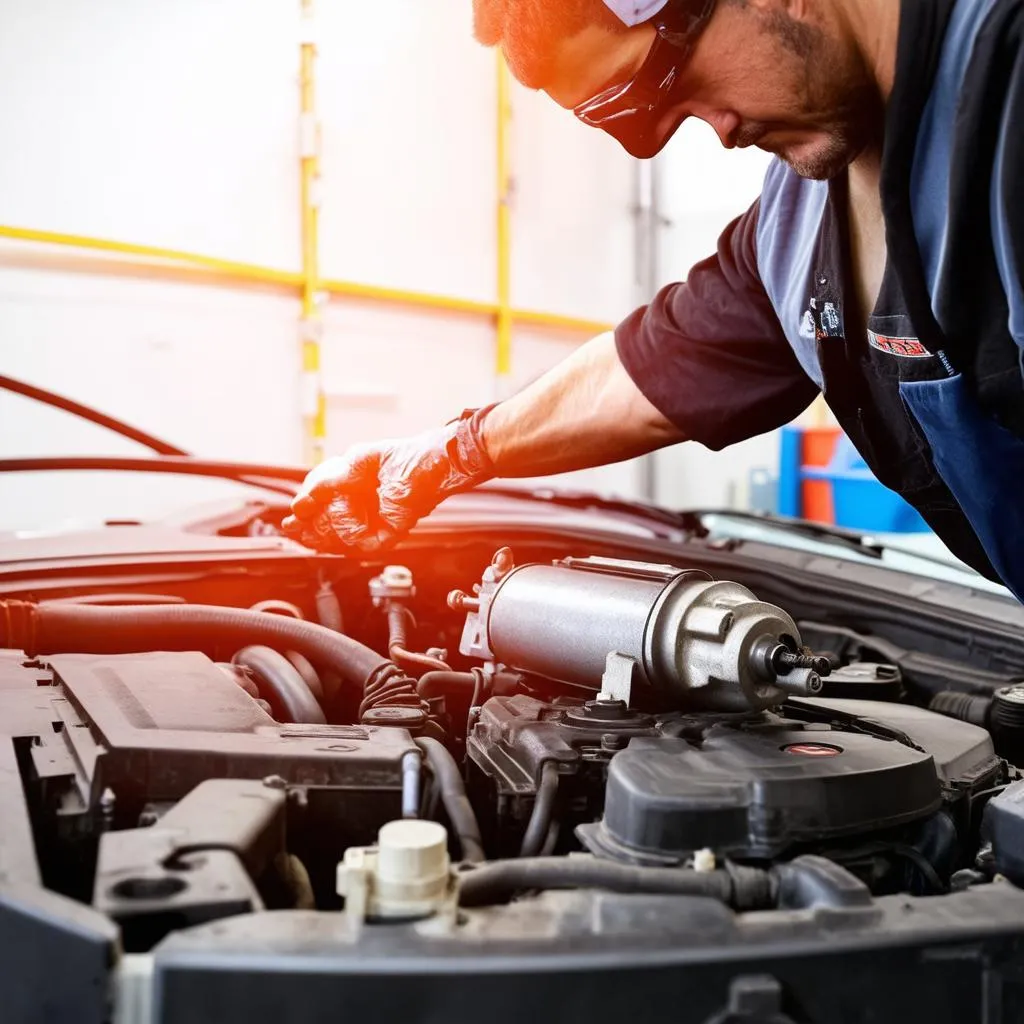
907 348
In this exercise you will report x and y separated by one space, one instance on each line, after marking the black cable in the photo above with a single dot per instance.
453 795
901 850
551 840
497 881
400 620
85 412
925 866
991 791
480 682
543 811
269 478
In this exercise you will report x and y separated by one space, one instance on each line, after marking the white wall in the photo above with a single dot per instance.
176 125
703 188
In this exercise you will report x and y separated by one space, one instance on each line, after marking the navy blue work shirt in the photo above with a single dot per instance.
757 330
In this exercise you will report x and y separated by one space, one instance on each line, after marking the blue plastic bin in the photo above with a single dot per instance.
860 501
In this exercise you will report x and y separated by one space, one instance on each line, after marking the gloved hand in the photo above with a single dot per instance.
374 493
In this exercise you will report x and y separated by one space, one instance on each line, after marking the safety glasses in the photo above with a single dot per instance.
634 112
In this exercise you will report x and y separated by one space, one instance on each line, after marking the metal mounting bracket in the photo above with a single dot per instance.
620 673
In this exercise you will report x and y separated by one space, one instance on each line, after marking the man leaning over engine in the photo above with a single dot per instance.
882 264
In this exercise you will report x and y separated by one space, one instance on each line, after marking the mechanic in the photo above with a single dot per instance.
883 263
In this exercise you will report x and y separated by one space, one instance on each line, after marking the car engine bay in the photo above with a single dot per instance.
412 744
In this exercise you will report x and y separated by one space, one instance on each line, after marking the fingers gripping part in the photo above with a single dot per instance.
346 474
373 494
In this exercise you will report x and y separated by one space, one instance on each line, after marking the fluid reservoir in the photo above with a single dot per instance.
700 642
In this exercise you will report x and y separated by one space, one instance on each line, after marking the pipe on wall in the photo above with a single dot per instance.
314 401
503 341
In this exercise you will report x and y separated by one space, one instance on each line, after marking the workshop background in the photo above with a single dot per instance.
263 229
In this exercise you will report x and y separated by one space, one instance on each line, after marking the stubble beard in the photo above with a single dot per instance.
856 111
836 152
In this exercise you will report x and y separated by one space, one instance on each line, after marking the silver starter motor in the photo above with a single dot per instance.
615 626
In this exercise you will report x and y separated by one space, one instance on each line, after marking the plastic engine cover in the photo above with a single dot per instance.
755 791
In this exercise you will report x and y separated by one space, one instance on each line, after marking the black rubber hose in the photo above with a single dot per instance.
453 796
965 706
496 882
543 811
439 684
328 607
328 613
304 667
279 682
83 629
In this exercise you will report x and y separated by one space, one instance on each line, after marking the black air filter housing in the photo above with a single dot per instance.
754 790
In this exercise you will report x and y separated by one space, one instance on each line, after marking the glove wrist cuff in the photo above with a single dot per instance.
468 454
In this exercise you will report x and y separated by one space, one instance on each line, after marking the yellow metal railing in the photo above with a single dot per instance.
154 255
503 346
314 400
154 258
312 288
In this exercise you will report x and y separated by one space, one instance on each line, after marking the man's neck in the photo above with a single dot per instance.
875 26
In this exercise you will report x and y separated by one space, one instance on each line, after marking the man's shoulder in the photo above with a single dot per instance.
790 212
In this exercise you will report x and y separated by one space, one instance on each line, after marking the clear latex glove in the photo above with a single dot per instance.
374 493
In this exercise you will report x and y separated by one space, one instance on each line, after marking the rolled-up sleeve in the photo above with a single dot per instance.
709 353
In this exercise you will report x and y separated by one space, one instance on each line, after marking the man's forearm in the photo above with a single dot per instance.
584 412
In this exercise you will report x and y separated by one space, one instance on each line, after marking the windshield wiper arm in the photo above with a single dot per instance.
86 412
845 537
806 528
686 521
270 478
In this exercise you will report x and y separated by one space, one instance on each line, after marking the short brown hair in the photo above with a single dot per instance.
525 30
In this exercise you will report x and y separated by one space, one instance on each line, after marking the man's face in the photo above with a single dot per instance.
759 76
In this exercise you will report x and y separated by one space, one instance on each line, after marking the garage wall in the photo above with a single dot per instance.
703 188
176 125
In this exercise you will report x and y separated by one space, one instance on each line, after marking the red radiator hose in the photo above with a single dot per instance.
90 629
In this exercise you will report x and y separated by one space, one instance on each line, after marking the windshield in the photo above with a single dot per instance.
922 554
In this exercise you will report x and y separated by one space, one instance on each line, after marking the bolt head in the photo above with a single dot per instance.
503 562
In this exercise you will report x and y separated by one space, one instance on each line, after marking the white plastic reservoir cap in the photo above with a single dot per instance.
634 12
412 851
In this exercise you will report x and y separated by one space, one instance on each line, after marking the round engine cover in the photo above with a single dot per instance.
756 791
